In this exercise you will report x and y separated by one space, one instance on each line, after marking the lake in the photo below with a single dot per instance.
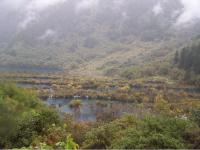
92 110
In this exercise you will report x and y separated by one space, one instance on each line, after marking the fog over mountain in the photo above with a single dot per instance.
190 12
66 33
33 8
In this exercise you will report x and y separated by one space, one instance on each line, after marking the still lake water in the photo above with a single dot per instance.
92 110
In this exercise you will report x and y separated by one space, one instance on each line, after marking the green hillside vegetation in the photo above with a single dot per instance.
160 68
182 65
101 41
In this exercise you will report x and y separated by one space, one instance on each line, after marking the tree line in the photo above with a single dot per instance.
189 58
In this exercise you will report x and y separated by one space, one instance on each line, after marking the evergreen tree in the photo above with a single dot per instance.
176 57
189 58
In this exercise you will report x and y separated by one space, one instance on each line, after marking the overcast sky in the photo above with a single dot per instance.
191 11
32 7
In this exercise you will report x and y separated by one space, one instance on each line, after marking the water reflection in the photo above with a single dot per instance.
92 110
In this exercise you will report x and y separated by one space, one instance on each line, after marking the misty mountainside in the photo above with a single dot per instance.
92 36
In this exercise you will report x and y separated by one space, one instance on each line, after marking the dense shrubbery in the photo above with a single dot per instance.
23 118
25 122
150 132
14 104
196 116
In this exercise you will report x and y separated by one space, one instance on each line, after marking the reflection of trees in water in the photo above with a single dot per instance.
107 112
100 106
102 110
114 110
77 113
75 105
92 108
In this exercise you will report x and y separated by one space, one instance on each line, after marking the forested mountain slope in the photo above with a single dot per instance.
96 37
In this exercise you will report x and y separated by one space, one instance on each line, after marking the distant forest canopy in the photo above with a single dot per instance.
189 58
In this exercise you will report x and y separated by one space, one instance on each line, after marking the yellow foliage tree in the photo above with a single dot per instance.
125 88
161 105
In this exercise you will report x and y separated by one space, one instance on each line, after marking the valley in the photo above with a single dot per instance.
99 74
57 88
84 107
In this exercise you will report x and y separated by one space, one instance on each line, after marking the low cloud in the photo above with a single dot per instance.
86 4
157 9
49 33
33 8
12 4
31 16
118 2
39 5
191 12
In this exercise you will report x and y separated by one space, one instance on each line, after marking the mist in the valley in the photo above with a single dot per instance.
70 22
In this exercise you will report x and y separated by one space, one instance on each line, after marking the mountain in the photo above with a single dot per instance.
92 36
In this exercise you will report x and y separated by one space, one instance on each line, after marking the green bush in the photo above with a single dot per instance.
161 132
102 136
136 139
196 116
33 125
23 117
